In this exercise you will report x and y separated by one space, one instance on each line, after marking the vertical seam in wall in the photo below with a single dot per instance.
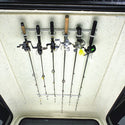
13 72
107 67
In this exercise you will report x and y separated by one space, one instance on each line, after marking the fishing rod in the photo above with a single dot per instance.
79 44
90 49
40 50
66 44
53 46
25 46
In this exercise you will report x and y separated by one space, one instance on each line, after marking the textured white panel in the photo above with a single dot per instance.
104 75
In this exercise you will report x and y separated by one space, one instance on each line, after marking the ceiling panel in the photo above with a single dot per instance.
16 72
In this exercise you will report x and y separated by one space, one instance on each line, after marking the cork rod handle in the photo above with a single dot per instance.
23 28
66 24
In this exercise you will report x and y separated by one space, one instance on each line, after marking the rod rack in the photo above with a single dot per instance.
58 95
57 29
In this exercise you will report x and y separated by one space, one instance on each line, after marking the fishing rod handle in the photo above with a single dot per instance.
52 28
66 24
79 30
38 29
92 32
94 27
23 28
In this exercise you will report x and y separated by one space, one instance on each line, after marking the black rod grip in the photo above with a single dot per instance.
23 28
52 28
94 27
92 32
38 29
79 30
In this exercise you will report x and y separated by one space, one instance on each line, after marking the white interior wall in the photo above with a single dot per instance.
104 77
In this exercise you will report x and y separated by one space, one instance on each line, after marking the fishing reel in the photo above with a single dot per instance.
52 45
90 49
25 45
39 46
66 43
80 43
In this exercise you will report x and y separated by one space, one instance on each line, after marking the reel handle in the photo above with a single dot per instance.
23 28
66 24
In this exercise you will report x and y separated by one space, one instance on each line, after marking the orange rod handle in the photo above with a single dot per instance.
23 28
66 24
